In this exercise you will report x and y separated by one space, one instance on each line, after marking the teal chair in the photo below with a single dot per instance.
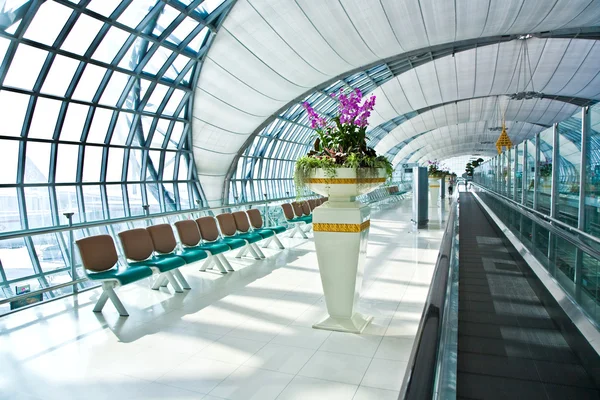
269 233
191 239
139 250
101 263
210 234
165 245
229 230
292 219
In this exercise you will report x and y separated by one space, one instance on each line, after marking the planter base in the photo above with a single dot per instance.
356 324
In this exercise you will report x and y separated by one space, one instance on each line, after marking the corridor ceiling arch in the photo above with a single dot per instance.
269 53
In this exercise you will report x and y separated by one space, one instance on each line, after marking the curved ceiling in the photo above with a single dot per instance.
542 112
471 135
270 53
561 67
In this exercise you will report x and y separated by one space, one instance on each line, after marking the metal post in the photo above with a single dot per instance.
553 197
146 208
266 217
555 155
199 203
524 174
536 175
508 172
585 129
69 216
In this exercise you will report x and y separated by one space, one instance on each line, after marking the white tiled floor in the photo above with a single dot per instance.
245 335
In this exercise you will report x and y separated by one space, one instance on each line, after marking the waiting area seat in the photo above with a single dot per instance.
101 263
191 239
139 251
229 229
258 226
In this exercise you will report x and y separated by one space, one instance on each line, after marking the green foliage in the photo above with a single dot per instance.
470 167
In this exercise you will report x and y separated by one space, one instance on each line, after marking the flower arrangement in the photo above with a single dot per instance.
435 170
342 140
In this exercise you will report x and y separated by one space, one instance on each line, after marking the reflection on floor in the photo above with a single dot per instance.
245 335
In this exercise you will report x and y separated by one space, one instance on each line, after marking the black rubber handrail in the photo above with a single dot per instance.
419 378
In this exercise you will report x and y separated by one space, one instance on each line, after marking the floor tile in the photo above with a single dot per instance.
300 336
369 393
336 367
395 348
385 374
198 374
350 343
231 349
304 388
252 384
280 358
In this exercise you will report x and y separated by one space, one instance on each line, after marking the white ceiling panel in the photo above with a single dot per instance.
270 53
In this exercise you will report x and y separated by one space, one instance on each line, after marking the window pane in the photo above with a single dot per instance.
82 34
100 125
10 219
15 105
569 147
93 203
67 202
25 67
115 201
49 252
66 167
134 193
60 75
114 168
37 201
592 189
15 259
89 82
48 22
37 162
92 163
10 159
110 45
44 120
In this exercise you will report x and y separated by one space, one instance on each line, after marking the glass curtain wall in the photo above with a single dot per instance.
577 271
96 103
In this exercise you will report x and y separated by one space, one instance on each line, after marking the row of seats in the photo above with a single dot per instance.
299 215
154 250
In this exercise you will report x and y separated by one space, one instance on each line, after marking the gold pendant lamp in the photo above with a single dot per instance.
503 140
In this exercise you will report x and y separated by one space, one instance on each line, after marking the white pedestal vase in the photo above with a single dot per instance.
341 230
434 191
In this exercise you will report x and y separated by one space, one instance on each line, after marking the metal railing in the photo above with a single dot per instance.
427 369
559 228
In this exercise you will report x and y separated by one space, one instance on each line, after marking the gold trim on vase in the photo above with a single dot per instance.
344 228
345 181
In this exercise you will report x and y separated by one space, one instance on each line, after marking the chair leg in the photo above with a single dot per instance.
242 252
302 232
257 250
116 301
225 262
252 251
173 282
268 242
158 282
219 264
278 242
102 300
184 284
207 263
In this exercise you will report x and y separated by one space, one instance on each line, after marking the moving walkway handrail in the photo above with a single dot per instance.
549 223
420 376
